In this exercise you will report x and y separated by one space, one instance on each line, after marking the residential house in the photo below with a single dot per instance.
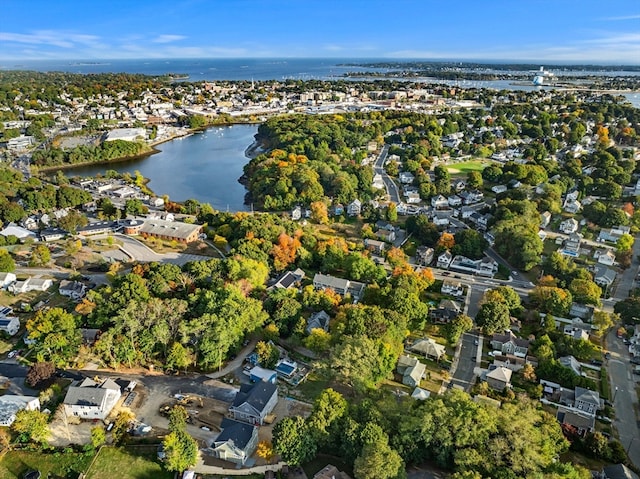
386 235
454 200
330 472
582 399
91 400
571 363
568 226
582 311
604 276
9 324
286 369
289 279
444 260
378 182
545 219
429 348
236 443
571 203
446 311
499 189
259 374
254 402
296 213
18 231
339 285
577 329
499 378
10 404
482 267
72 289
471 197
30 284
452 288
509 343
375 246
318 320
354 208
338 209
7 279
439 201
406 177
605 256
580 422
383 225
571 246
52 234
424 255
613 234
411 370
420 394
441 219
458 185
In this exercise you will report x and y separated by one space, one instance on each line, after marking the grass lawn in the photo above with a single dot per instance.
64 465
467 166
312 386
127 463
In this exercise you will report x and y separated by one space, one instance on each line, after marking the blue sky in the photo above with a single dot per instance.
550 30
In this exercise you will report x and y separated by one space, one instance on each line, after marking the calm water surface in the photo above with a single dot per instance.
205 166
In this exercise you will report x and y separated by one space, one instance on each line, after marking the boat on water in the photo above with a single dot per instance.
541 76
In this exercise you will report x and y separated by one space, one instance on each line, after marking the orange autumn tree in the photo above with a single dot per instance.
284 251
446 240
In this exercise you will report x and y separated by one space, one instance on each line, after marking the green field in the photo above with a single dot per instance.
467 166
127 463
59 465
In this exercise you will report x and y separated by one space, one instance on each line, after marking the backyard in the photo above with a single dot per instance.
133 462
14 464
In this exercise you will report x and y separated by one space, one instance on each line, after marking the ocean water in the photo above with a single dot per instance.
202 69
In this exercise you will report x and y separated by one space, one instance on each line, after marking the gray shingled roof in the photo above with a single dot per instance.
256 395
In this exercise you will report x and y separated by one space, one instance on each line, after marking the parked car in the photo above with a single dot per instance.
12 354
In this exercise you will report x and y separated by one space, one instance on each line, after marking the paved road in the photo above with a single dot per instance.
140 252
625 399
389 184
463 375
626 279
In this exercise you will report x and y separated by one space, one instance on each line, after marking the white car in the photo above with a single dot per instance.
12 354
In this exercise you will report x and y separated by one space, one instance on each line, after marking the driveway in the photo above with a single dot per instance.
467 358
625 399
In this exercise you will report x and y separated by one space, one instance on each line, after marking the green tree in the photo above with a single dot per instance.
268 354
121 426
328 408
378 461
7 264
585 291
181 451
493 317
179 357
40 256
293 441
98 436
31 426
57 337
602 321
318 340
456 327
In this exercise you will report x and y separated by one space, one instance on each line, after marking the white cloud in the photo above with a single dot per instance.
168 38
54 38
622 18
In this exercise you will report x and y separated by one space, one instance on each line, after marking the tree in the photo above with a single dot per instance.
319 212
121 426
31 426
378 461
39 373
98 436
181 451
493 317
549 299
602 321
179 357
470 243
135 207
625 242
474 180
318 340
40 256
268 354
456 327
292 440
529 373
328 408
265 451
447 240
56 335
7 264
585 291
392 212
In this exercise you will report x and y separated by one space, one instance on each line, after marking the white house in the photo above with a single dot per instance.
30 284
444 260
9 324
452 288
236 443
72 289
7 279
10 404
606 257
91 400
406 177
499 189
354 208
439 201
569 226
